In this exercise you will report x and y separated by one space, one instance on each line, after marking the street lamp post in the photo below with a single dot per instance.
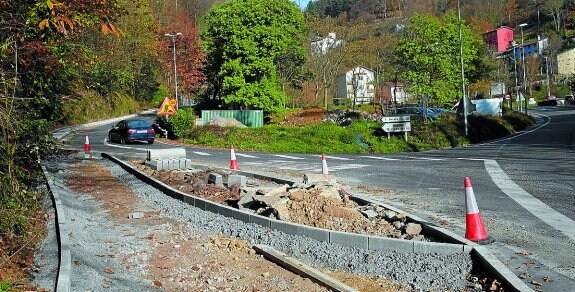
173 36
515 73
464 99
524 69
547 73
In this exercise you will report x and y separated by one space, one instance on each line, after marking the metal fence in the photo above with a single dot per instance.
250 118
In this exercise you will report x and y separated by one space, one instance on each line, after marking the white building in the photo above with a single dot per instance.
356 83
321 46
566 62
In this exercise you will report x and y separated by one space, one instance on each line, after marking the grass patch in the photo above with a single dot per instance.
360 137
90 106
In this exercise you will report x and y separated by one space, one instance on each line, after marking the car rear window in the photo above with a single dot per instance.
138 124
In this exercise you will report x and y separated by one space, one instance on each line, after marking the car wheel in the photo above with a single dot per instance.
151 142
122 140
109 138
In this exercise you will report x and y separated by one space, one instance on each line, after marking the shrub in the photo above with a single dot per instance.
182 122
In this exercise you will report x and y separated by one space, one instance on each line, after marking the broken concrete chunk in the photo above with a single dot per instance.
331 193
281 210
389 214
267 200
369 213
314 178
272 191
413 228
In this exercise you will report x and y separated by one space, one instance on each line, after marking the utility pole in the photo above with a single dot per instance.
515 73
464 99
548 83
173 36
524 67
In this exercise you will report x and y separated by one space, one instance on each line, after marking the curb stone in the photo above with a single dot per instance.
63 282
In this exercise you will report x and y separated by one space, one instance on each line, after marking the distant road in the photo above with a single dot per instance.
525 187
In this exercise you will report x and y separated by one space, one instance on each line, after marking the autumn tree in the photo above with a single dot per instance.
189 55
242 40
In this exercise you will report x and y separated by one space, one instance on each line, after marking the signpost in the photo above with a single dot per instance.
396 124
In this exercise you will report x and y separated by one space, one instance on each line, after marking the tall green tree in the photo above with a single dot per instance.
429 52
243 39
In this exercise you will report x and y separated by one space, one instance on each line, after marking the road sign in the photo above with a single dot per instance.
397 127
394 119
174 102
167 108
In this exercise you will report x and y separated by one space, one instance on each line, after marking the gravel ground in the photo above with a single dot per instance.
93 251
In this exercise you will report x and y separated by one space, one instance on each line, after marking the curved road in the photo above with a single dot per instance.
524 185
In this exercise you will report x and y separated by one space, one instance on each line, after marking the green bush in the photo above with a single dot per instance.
182 122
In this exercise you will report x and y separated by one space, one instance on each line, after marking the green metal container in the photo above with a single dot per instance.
250 118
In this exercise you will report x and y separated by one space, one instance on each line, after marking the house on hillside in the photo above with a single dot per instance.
532 49
320 46
499 39
566 62
358 84
392 92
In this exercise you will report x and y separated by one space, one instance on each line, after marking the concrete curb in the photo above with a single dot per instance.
302 269
63 282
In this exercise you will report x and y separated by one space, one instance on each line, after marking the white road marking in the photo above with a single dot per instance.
288 157
380 158
348 166
253 163
336 158
470 159
521 133
425 158
526 200
201 153
246 155
124 147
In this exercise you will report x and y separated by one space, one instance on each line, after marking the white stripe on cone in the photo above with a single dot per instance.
233 162
470 202
324 165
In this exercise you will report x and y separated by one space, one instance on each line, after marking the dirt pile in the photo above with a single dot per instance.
319 203
304 117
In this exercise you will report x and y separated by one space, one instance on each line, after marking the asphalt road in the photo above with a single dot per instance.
524 185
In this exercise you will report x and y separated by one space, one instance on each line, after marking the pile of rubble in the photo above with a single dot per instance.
318 202
346 117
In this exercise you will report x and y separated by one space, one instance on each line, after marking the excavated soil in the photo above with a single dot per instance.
317 205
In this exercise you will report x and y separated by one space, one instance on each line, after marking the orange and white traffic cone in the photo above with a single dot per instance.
474 229
87 147
324 170
233 162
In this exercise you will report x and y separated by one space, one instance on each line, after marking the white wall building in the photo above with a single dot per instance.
321 46
356 83
566 62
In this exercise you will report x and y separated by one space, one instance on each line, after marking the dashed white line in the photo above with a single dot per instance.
526 200
380 158
123 147
336 158
288 157
201 153
425 158
246 155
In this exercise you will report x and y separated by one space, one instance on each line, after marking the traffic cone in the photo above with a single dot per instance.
233 162
87 147
324 170
474 229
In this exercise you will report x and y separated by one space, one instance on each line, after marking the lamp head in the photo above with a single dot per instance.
523 24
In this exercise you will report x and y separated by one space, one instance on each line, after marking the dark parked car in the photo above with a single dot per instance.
127 131
416 112
569 99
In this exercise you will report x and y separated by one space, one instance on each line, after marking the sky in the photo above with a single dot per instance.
301 3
